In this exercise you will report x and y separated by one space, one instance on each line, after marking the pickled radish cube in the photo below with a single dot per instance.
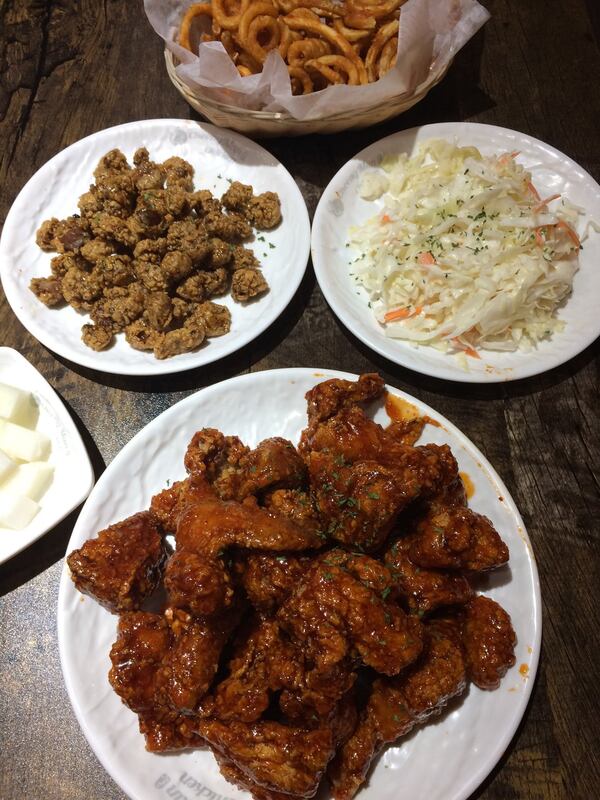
19 442
17 406
16 511
7 465
31 480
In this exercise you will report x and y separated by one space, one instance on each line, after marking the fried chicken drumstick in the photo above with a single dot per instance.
318 603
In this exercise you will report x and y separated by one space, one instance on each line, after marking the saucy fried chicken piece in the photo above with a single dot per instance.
396 705
340 608
424 589
143 640
234 775
293 503
122 565
360 501
268 579
457 538
274 756
274 463
194 583
489 641
328 397
217 457
262 662
208 525
191 663
168 731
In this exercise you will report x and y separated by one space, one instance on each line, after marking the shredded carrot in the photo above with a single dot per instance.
544 203
571 233
504 159
385 219
426 259
539 238
402 313
467 349
533 190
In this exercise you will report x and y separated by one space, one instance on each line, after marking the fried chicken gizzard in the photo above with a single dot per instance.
147 254
319 601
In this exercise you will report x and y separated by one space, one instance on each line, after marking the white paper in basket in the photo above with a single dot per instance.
431 33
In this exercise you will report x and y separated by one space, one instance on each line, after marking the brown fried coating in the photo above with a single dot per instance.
119 306
95 249
143 640
48 290
122 565
61 264
268 579
237 197
146 226
179 173
180 340
209 525
216 318
242 258
158 310
216 457
204 203
425 590
188 237
192 661
141 336
264 211
80 288
247 284
204 285
341 608
457 538
275 756
489 641
395 706
98 337
194 583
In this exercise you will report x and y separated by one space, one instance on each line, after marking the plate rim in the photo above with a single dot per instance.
65 585
373 341
85 465
169 366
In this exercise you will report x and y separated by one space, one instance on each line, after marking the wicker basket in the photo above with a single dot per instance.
280 123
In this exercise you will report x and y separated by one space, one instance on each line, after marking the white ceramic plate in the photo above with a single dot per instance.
73 475
217 155
553 172
467 742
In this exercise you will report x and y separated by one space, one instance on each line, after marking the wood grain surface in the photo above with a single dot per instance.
69 68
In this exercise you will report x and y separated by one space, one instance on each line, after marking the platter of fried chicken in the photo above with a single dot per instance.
296 584
154 247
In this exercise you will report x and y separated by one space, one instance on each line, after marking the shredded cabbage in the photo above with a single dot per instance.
464 254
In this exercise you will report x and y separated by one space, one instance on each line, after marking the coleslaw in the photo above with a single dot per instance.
465 254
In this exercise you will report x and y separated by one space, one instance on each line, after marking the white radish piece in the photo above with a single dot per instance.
7 465
16 512
19 442
31 480
17 406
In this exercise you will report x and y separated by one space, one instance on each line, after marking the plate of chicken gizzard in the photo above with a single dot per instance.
322 589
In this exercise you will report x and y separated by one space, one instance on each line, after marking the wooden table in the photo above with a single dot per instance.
70 68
